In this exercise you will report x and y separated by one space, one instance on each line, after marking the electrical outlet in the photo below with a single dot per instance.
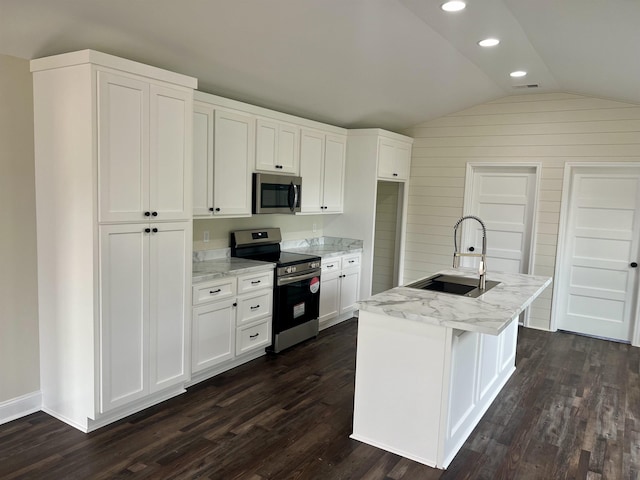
205 236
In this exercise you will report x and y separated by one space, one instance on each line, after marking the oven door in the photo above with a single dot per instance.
296 300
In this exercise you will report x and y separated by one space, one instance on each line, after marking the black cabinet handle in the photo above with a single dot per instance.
154 230
155 214
235 304
633 264
254 336
213 292
211 209
147 214
217 209
256 282
147 230
255 308
278 166
471 249
395 174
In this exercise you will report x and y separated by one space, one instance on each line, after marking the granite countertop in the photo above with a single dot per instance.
206 270
489 313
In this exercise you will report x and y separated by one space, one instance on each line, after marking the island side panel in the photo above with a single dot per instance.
399 384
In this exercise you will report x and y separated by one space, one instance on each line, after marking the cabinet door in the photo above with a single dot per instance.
329 295
266 145
169 302
311 170
202 160
333 180
213 335
462 389
123 150
349 287
170 139
394 159
288 149
124 318
234 137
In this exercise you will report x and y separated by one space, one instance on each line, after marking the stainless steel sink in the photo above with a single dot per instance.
452 284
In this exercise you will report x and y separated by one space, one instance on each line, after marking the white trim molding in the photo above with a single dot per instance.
15 408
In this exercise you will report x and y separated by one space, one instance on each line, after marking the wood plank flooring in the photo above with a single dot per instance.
571 411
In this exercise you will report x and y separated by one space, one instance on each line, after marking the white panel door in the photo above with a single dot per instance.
234 153
168 307
349 287
124 321
504 198
598 290
266 145
311 170
202 160
329 295
123 150
288 148
333 180
170 140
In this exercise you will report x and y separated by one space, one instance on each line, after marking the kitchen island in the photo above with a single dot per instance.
429 364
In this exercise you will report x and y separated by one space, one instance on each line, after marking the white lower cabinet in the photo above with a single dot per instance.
480 365
231 322
339 287
143 310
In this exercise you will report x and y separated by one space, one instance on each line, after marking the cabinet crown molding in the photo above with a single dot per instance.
111 61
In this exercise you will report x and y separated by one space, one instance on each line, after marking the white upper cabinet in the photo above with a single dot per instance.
223 156
322 164
277 147
144 149
233 148
394 160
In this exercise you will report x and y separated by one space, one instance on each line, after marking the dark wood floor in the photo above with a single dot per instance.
571 410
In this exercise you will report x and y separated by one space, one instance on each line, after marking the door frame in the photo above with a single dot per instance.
471 169
558 273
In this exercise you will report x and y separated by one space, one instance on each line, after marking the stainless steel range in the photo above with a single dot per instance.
296 295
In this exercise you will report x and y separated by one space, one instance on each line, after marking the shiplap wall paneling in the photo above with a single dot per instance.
548 128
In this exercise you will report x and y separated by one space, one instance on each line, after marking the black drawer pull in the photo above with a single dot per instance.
254 336
255 308
147 230
395 174
256 282
213 292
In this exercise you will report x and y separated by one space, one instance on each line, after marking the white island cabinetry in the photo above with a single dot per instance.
113 164
430 364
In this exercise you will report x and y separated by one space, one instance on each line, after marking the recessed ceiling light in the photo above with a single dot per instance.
489 42
518 74
453 6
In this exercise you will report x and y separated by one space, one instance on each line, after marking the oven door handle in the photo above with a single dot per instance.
297 278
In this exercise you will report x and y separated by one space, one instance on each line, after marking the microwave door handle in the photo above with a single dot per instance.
292 205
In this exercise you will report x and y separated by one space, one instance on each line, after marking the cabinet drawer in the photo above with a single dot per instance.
254 307
255 281
331 265
212 291
351 261
253 336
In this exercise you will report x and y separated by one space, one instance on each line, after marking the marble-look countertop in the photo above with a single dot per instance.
325 247
206 270
489 313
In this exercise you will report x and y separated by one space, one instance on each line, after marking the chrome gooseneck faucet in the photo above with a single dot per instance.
482 269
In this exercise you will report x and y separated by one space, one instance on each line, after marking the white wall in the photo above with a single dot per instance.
549 128
19 360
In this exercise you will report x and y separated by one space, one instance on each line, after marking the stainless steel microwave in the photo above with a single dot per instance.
276 193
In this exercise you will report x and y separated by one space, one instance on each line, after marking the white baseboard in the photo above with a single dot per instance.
20 406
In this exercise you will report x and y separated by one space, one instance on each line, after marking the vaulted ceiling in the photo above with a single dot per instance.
353 63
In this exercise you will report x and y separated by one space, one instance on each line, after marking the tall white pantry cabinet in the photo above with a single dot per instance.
113 142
